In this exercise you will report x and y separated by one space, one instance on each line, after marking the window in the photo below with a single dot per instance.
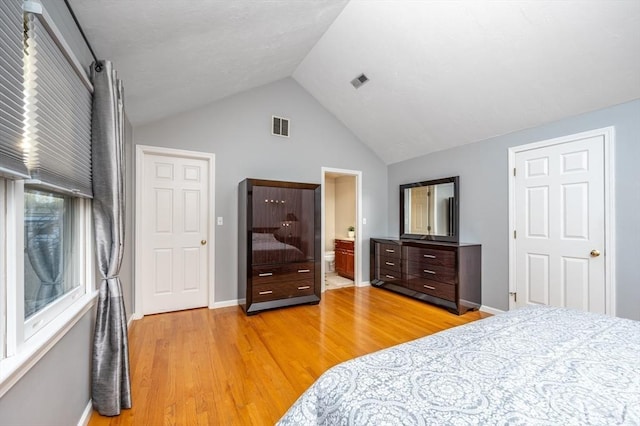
46 256
3 273
52 254
49 270
48 248
46 272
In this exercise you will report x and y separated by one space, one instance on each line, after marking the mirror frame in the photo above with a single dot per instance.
456 214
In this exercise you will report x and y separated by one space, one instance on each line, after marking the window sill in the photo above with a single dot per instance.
13 368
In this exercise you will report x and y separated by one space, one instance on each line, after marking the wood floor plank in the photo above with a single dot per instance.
220 367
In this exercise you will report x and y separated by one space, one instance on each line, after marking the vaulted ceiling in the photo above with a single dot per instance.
442 73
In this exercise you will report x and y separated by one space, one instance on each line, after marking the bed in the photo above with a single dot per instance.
267 249
535 365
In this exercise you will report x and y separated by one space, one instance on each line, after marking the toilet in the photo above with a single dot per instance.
329 261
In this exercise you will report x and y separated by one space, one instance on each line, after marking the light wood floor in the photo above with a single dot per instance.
220 367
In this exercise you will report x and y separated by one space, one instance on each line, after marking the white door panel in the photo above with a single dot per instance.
174 230
559 219
420 220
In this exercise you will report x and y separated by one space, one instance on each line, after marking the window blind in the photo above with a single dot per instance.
11 88
58 114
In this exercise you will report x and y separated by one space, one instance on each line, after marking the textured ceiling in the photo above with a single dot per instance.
176 55
443 73
446 73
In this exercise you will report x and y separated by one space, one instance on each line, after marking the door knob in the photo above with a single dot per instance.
203 242
595 253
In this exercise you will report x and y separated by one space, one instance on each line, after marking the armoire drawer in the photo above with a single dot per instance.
285 272
436 273
432 288
282 290
431 257
389 250
386 275
391 264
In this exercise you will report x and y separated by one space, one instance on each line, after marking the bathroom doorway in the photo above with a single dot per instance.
340 222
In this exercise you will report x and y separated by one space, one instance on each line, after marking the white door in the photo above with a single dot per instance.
174 251
560 225
420 220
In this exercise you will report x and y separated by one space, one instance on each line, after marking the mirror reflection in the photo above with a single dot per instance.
428 210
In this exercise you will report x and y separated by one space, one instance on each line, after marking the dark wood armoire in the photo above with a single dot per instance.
278 244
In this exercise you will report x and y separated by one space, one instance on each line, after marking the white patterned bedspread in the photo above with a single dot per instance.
536 365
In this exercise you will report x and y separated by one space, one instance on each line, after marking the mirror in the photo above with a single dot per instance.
429 210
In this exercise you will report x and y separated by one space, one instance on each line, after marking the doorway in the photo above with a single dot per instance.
174 230
560 213
341 217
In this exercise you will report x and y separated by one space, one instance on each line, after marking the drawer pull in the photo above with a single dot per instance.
391 277
266 274
429 287
266 292
390 251
303 270
428 271
390 263
430 256
304 287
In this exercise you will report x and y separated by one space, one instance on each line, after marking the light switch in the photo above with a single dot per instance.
219 220
364 220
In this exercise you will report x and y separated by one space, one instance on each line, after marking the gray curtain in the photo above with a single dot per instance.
44 247
111 383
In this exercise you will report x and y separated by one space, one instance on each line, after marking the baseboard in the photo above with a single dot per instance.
135 316
490 310
227 303
364 284
86 414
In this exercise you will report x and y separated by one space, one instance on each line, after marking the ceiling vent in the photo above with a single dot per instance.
359 80
280 126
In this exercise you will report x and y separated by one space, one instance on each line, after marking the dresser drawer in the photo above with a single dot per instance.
389 276
436 273
284 272
391 264
344 245
432 257
432 288
281 290
389 250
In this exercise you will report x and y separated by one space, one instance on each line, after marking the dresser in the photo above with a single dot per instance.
278 244
445 274
343 250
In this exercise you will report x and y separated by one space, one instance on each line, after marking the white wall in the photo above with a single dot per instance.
345 205
329 213
237 131
57 389
128 261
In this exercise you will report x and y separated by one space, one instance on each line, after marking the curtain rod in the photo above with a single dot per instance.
73 15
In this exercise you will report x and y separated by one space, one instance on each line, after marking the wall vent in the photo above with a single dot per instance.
359 80
280 126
